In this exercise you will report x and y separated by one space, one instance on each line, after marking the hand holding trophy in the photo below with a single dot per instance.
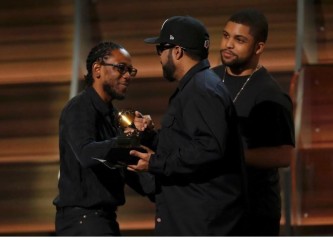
128 140
130 134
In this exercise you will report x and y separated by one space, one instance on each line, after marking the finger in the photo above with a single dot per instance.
138 123
149 121
137 168
146 119
138 154
138 114
131 168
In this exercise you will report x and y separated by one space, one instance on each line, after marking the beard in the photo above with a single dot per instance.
169 69
112 93
237 62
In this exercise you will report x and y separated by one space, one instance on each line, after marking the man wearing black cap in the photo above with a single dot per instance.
198 158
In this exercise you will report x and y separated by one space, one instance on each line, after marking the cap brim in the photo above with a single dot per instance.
153 40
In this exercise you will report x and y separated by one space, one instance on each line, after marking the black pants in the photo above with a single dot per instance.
252 225
77 221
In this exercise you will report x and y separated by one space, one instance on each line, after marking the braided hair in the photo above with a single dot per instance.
97 54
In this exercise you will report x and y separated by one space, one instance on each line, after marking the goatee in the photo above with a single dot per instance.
113 94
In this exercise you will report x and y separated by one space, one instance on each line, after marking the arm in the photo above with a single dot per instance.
193 136
79 131
269 157
272 140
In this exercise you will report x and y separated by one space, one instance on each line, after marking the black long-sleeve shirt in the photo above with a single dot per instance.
87 130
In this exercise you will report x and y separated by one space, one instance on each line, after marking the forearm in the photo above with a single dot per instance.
269 157
88 153
186 159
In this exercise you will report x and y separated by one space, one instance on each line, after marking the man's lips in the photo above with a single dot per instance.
124 84
227 54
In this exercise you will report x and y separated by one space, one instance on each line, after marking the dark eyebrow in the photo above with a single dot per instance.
125 64
237 36
243 37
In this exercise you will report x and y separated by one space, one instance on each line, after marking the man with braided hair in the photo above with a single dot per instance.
89 191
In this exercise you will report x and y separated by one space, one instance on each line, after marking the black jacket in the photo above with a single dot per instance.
87 130
198 163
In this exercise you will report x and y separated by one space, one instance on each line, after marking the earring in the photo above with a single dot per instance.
98 76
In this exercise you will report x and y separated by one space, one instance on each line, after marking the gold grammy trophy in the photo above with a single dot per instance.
126 141
126 121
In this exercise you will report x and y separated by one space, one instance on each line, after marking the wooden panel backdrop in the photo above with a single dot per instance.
36 45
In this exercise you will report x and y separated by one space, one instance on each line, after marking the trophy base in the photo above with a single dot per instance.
121 155
127 142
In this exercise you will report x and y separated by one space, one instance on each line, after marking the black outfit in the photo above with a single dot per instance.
198 164
266 120
89 191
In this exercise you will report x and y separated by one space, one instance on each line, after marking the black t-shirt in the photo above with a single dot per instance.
266 120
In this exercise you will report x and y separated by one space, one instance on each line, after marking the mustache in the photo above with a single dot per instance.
227 50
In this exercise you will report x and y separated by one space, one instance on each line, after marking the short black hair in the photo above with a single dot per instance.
197 55
97 53
255 20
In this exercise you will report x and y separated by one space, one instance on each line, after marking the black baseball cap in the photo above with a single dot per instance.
184 31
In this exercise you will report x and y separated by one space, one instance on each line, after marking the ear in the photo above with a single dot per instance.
178 52
96 70
260 48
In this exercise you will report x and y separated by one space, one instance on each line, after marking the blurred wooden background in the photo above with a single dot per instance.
36 48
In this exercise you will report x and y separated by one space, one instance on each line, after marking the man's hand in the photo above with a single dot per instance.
143 162
143 122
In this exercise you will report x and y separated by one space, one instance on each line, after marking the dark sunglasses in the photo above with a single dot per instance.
161 47
122 68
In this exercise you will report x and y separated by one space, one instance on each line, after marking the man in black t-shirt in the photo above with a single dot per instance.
265 117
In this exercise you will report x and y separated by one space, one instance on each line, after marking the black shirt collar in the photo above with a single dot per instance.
101 106
204 64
